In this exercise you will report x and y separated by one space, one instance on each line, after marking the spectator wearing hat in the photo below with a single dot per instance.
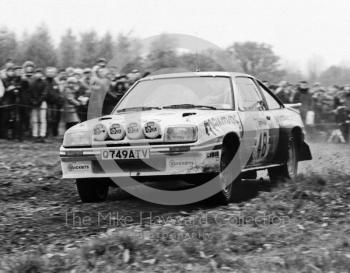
28 69
70 71
38 101
100 63
54 101
9 63
303 96
70 105
61 73
78 73
21 99
62 79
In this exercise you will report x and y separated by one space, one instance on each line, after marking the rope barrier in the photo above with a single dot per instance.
41 108
6 106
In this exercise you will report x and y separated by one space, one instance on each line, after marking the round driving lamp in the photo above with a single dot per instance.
100 132
151 129
116 131
134 131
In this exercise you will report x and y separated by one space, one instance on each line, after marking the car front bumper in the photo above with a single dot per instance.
163 160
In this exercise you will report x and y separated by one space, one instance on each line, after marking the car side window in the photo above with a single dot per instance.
272 103
249 98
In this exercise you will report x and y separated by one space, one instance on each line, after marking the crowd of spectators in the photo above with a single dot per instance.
323 109
35 102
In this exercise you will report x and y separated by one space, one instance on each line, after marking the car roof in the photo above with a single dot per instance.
195 74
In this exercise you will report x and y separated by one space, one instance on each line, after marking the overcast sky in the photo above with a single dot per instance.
297 29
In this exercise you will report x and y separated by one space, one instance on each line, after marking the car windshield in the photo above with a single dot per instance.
187 92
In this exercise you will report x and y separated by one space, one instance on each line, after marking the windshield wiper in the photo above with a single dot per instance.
139 108
187 105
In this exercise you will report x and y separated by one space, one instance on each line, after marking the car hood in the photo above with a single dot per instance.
164 117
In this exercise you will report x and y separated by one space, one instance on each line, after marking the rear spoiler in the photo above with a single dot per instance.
293 105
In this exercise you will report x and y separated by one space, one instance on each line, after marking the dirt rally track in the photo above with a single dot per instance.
38 208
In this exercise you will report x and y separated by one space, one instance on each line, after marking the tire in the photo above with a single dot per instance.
288 170
250 175
120 194
92 190
226 194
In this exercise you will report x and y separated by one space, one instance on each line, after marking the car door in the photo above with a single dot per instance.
255 125
273 109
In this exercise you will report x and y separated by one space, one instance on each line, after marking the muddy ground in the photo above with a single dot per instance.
41 213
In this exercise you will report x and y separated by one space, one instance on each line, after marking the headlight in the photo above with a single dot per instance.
77 139
151 129
181 134
100 132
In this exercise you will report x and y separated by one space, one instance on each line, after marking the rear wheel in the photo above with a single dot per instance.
289 170
92 190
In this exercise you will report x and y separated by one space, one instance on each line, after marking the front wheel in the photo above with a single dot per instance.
226 179
288 170
92 190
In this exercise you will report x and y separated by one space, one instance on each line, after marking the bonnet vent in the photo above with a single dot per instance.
105 118
188 114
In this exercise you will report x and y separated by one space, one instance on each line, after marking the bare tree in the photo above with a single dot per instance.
8 44
258 59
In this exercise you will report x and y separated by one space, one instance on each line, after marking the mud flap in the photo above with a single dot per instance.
303 152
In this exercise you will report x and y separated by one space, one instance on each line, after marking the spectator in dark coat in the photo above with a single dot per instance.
37 98
54 101
11 123
112 97
83 93
25 109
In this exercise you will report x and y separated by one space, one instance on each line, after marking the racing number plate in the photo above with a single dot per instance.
124 154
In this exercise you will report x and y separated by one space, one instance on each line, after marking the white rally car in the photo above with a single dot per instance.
190 126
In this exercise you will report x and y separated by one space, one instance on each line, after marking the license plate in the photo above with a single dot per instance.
125 154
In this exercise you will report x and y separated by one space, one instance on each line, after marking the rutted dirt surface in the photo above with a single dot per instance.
38 208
